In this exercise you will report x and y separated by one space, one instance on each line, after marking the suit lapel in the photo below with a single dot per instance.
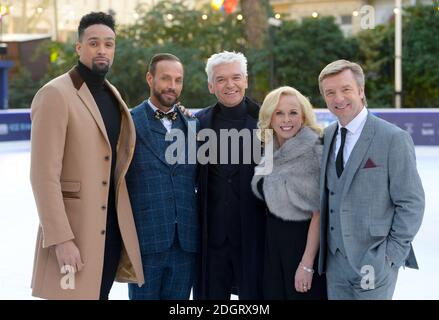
190 128
359 151
206 119
184 128
182 117
154 124
127 137
145 125
251 123
328 138
87 98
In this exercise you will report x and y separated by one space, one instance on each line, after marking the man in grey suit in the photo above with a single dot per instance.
372 200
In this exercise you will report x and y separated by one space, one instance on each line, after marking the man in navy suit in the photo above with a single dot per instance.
162 194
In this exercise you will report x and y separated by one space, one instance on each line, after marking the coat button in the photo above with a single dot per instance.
332 211
104 183
103 232
229 180
332 193
332 228
104 207
107 158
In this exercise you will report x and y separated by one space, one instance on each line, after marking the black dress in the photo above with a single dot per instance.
285 243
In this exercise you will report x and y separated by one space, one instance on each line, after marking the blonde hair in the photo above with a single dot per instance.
270 104
339 66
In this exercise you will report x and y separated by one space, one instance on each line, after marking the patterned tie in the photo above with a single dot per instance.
170 115
339 159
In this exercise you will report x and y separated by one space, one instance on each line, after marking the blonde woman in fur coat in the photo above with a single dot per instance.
291 193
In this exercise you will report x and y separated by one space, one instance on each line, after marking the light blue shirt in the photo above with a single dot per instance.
355 127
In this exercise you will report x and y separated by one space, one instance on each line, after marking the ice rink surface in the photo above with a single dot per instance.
19 221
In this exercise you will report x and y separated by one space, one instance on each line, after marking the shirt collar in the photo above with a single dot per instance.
154 108
356 123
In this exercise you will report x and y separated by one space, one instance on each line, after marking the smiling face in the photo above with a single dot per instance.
343 97
287 118
96 48
166 84
228 84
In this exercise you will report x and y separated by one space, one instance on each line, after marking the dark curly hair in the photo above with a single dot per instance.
95 18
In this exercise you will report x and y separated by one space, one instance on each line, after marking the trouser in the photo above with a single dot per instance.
223 271
113 247
169 275
345 283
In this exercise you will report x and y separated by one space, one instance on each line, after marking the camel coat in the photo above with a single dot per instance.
70 175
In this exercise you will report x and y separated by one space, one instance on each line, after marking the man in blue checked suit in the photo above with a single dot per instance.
163 194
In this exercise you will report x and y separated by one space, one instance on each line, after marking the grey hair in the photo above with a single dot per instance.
223 58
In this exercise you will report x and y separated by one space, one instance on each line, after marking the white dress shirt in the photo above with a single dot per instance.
165 121
354 129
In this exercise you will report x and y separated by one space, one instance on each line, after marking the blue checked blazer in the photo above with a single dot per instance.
163 196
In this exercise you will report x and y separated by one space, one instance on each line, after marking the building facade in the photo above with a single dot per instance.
60 18
347 13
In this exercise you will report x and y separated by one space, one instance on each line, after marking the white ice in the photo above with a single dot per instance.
19 221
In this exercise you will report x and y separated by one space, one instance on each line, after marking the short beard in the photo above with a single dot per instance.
102 71
162 101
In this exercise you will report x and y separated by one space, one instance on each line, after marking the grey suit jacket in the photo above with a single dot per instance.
383 200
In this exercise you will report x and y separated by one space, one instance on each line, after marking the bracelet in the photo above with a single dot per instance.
310 270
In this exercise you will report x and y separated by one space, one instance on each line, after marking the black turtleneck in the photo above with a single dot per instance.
107 104
231 117
110 112
224 179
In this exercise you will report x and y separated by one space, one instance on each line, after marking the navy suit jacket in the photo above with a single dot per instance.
163 196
